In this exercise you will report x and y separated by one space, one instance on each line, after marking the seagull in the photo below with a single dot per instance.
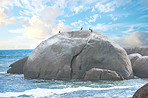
81 28
90 29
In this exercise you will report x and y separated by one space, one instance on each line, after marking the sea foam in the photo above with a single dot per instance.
40 92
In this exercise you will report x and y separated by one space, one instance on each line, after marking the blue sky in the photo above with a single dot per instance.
25 23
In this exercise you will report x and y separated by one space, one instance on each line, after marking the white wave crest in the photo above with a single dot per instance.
40 92
3 72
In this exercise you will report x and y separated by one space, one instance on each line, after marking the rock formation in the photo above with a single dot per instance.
142 92
76 55
101 74
17 67
133 57
143 50
140 67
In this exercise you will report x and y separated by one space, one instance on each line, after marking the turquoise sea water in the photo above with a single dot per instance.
13 85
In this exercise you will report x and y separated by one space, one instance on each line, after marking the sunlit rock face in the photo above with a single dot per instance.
72 55
140 67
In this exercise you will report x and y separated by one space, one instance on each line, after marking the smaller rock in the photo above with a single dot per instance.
101 74
140 67
133 57
17 67
142 92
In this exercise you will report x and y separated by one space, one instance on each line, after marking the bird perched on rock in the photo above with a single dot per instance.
81 28
59 32
90 29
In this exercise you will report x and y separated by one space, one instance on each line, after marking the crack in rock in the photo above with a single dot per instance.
74 57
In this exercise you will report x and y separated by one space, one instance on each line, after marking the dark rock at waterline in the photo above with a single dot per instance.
17 67
142 92
72 55
143 50
101 74
140 67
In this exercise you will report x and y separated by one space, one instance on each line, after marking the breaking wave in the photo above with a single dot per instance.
40 92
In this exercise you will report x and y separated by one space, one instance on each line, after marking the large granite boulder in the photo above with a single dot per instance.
140 67
142 92
17 67
133 57
143 50
71 55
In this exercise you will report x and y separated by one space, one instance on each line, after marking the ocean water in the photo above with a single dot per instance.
13 85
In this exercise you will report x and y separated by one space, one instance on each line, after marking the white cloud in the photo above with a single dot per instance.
60 27
104 6
121 26
38 21
144 16
73 6
17 31
4 18
61 3
93 18
78 9
143 2
50 14
119 3
41 27
88 2
131 29
79 24
37 28
18 3
134 39
18 43
4 13
113 17
109 7
42 21
4 3
102 27
30 7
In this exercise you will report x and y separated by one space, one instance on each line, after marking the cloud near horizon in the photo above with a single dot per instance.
134 39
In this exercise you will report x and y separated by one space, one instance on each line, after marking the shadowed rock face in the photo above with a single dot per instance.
142 92
143 50
70 55
17 67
